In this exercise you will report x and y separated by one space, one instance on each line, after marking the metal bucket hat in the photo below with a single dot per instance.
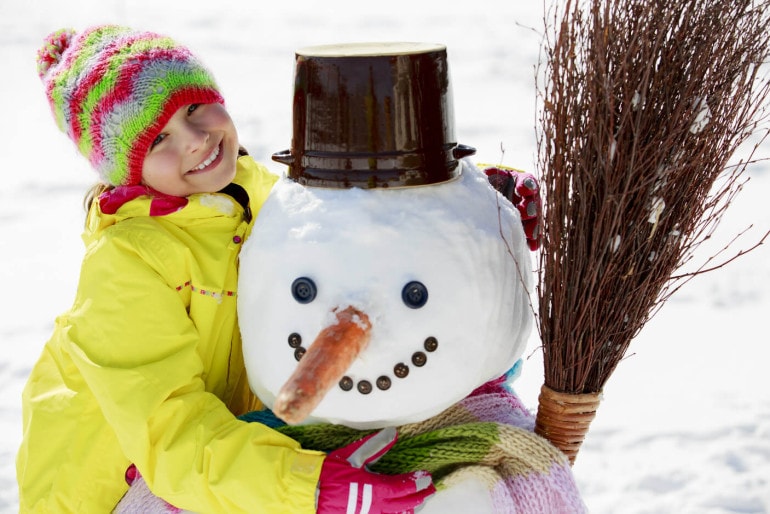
373 115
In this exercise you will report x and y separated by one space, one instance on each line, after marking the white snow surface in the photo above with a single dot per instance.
685 421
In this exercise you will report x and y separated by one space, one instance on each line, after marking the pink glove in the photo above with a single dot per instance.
139 499
347 486
523 190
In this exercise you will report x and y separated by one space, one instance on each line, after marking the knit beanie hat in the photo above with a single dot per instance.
112 89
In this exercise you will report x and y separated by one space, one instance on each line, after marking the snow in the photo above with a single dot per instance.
702 118
685 421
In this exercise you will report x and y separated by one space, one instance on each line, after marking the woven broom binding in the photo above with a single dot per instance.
564 418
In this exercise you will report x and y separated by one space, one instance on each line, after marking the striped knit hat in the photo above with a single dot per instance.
112 89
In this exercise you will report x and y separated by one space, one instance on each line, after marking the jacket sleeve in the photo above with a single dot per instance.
135 345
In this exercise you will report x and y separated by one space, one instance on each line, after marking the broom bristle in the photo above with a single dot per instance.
644 104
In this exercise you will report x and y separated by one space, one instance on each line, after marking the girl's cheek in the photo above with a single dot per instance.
156 164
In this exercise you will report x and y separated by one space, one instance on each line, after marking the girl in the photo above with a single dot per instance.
145 369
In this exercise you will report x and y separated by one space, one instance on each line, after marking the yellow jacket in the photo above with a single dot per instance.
147 368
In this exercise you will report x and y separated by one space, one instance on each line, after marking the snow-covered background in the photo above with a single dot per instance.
685 422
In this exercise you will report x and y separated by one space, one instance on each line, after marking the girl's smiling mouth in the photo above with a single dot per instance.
210 161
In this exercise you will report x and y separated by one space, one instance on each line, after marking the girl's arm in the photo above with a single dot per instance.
136 347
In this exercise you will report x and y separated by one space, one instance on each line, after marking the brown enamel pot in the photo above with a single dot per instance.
373 115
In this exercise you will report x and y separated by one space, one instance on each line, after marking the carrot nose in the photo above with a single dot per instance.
323 365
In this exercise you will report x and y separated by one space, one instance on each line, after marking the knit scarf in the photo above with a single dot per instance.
487 435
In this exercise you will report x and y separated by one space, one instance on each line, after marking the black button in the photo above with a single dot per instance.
419 359
303 290
414 295
295 340
383 383
364 387
346 383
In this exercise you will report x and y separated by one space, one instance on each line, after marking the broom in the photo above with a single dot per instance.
643 105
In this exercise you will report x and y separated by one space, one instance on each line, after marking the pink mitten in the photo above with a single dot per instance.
139 499
523 190
346 485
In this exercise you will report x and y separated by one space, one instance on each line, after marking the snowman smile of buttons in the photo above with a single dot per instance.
414 296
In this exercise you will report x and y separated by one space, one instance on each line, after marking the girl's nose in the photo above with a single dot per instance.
195 137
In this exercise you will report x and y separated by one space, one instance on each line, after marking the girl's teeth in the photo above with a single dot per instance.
210 159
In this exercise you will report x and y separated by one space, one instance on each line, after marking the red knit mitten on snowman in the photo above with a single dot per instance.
523 190
346 485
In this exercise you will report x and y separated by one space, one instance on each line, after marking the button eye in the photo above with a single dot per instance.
303 290
414 295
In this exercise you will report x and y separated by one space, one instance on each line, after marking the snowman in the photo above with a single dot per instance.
385 287
386 283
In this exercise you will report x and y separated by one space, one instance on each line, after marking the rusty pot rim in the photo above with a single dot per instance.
370 49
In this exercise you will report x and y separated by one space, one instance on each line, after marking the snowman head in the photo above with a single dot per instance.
438 277
384 278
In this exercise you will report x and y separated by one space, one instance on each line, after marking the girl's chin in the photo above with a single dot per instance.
223 176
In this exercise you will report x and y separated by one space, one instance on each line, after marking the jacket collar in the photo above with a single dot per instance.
161 204
126 202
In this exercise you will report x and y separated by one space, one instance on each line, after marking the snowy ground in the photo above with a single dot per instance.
685 423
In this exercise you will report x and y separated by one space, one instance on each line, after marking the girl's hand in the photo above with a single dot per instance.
139 499
347 486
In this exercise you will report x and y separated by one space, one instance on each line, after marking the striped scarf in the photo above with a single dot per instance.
488 435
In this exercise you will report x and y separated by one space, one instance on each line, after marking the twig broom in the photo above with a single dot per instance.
644 104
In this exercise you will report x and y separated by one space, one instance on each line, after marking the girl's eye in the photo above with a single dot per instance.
192 107
414 295
157 140
304 290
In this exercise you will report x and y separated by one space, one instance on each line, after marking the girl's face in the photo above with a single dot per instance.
196 152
